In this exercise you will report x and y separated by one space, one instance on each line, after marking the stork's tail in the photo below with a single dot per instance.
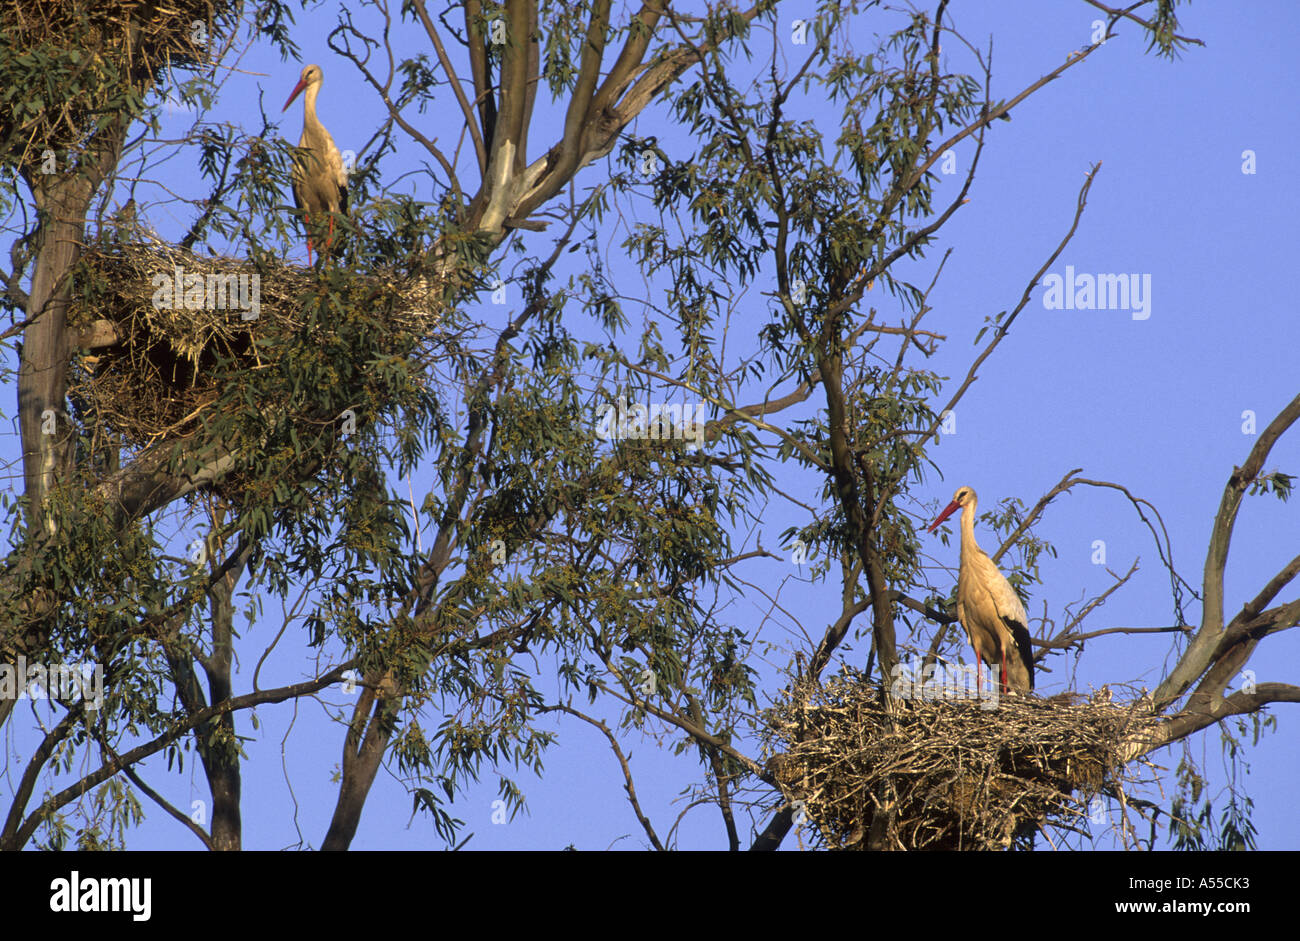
1023 647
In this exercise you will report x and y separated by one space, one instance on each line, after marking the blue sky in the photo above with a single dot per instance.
1154 404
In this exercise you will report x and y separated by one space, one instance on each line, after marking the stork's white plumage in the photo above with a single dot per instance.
987 605
320 183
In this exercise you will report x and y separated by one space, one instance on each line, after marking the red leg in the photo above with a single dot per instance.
306 222
1005 686
979 672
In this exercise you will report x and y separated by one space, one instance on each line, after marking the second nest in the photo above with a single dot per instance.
158 322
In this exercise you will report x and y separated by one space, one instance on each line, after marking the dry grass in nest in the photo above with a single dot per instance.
958 776
151 369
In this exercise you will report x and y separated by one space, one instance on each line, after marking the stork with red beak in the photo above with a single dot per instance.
320 183
988 606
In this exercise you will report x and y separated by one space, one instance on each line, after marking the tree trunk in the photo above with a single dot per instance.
63 201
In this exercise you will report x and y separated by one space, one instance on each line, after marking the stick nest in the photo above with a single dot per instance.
86 51
153 34
164 362
956 775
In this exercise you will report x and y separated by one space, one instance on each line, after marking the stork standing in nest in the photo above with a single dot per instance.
320 183
988 606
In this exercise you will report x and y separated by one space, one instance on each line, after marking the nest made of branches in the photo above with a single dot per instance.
153 34
153 359
953 773
97 46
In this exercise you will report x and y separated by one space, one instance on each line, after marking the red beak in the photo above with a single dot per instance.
948 511
296 90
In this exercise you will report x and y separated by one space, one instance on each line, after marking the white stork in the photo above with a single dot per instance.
320 184
987 605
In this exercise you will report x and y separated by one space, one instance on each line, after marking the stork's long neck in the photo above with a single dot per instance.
969 547
311 125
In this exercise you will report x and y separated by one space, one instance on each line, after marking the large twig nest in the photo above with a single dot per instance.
952 773
90 50
157 321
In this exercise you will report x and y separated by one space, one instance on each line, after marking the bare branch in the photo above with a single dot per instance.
1001 332
1117 14
1279 581
622 763
480 151
1100 600
1184 723
1062 486
1064 642
158 799
1201 650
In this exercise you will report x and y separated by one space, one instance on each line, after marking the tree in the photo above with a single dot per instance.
567 514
